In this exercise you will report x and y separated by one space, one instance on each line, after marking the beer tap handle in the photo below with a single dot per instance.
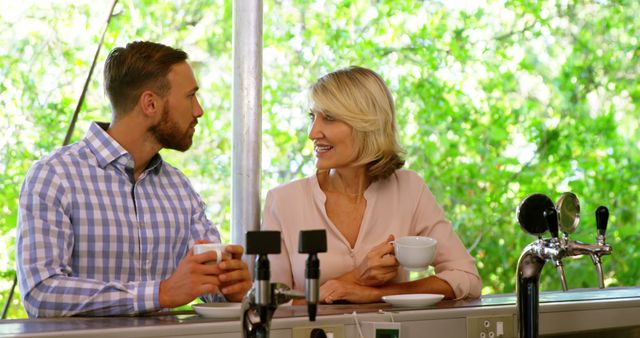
551 216
560 268
312 242
602 217
262 243
595 258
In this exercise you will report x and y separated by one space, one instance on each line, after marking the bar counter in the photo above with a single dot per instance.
612 312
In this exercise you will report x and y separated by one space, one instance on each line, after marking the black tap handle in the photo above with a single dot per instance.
312 241
263 242
530 214
551 216
602 217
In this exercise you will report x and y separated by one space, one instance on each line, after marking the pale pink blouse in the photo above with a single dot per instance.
401 205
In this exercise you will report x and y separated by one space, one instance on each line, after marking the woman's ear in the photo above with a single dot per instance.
149 103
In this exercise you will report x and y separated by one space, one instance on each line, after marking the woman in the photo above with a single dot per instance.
363 200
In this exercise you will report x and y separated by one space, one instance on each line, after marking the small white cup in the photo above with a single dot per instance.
415 253
217 247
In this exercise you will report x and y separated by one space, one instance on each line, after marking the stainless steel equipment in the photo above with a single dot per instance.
263 299
537 214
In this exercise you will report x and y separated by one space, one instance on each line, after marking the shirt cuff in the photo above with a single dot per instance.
147 297
458 282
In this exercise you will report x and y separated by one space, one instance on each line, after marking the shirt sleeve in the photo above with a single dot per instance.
201 226
44 245
272 220
452 262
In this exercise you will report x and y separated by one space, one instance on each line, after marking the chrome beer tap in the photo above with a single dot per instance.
312 242
568 208
537 214
261 302
602 217
555 245
533 213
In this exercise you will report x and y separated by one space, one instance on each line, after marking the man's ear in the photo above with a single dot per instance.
149 103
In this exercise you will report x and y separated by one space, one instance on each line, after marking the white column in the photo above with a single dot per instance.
247 115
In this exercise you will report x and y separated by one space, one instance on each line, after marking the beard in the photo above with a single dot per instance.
168 133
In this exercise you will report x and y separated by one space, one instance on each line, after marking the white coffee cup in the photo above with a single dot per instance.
415 253
217 247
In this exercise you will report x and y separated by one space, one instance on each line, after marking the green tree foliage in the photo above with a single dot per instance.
495 101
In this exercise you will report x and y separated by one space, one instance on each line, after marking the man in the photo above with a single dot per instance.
105 226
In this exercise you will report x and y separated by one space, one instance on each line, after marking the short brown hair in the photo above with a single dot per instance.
359 97
139 66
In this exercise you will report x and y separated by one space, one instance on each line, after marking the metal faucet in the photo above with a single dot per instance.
261 302
537 214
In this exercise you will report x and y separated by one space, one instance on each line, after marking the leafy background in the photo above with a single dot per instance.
496 100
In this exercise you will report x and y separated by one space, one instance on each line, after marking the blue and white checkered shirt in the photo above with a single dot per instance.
92 241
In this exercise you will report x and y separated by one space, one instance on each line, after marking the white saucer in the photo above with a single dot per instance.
413 300
219 310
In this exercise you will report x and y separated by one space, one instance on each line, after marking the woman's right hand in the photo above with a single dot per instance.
379 267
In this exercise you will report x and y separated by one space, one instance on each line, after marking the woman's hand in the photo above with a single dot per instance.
338 290
379 267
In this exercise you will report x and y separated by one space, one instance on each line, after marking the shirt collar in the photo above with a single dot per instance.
107 150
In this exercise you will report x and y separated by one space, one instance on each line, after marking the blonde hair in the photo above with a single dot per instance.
359 97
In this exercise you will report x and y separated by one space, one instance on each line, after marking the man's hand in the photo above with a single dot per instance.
235 278
379 267
194 277
191 279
